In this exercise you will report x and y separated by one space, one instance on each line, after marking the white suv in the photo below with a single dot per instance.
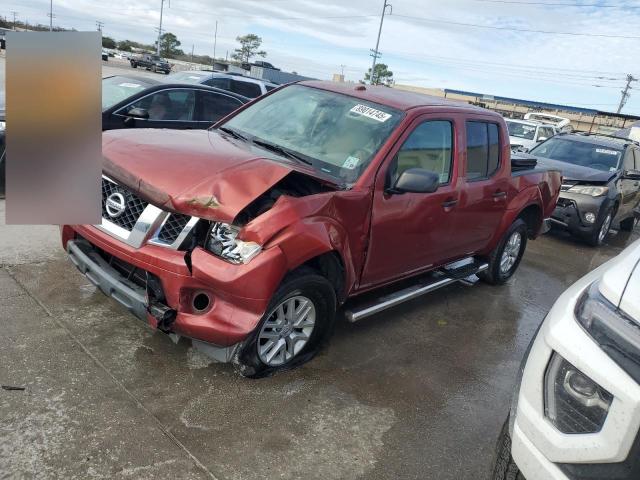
526 134
577 412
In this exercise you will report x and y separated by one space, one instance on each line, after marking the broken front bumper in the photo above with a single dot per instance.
232 314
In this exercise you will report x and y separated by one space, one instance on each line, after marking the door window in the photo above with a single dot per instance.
429 147
167 105
629 161
483 149
545 132
214 106
246 89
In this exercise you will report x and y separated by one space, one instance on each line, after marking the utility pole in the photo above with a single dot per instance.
376 53
625 92
192 45
14 20
50 16
215 43
99 24
342 70
160 27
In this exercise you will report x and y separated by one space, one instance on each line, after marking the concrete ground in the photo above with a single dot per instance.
420 391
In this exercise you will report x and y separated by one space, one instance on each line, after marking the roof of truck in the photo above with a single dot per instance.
391 97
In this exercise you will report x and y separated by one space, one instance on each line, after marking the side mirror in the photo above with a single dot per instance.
631 174
416 180
141 113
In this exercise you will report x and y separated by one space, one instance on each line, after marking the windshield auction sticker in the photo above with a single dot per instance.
606 152
351 162
371 113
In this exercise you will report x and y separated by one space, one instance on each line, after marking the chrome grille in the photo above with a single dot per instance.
134 206
173 227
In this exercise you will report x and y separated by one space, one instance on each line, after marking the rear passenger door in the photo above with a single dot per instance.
212 106
483 190
629 187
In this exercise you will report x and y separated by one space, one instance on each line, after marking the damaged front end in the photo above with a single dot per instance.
184 274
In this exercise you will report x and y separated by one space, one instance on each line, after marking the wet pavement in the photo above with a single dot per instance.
420 391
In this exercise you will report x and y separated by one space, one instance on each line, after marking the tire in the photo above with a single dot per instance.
253 360
600 232
505 468
496 274
134 65
628 224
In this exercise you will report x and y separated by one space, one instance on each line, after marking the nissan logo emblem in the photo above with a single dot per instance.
115 205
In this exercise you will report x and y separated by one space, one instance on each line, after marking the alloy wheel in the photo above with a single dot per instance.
286 330
511 252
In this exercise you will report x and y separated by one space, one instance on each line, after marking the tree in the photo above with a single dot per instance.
169 44
108 42
249 47
382 76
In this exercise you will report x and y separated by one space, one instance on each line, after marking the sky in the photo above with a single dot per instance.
494 47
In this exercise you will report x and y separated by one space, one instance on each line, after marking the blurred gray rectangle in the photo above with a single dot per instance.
53 127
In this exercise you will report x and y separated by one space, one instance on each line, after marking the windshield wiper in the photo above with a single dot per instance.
281 151
233 133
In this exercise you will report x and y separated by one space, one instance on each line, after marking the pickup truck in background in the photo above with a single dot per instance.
248 237
151 62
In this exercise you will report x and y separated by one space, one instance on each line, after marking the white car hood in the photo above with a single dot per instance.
620 284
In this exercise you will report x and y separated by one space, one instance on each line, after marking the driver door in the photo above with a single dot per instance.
410 231
168 108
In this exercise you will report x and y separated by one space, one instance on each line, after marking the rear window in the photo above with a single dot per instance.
577 152
483 149
246 89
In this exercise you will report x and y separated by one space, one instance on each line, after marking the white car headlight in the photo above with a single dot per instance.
589 190
222 241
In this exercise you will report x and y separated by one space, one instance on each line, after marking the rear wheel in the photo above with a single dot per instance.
299 319
505 258
134 65
628 224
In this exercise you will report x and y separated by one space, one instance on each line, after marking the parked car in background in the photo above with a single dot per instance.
561 124
2 144
576 410
263 64
248 236
151 62
601 183
105 56
130 101
245 86
526 134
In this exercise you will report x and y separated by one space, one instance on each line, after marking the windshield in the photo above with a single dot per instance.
115 89
186 77
580 153
337 134
521 130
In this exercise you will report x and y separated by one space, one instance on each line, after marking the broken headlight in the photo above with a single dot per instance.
573 402
223 242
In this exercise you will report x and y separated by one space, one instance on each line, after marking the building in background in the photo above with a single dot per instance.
582 119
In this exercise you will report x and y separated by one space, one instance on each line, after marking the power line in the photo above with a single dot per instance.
512 29
576 5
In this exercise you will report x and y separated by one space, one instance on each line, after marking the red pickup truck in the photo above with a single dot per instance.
248 237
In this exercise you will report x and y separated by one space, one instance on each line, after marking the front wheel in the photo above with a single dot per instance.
505 468
297 322
133 65
505 258
601 230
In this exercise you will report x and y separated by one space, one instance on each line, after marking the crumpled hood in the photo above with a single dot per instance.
194 172
576 172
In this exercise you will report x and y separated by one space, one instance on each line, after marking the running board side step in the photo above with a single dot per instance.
439 280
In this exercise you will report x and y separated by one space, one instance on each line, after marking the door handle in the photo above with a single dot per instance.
449 203
499 194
